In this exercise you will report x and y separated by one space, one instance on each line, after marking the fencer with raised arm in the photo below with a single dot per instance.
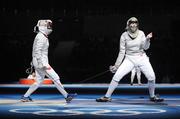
133 42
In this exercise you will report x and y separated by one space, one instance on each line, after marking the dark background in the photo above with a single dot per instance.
85 37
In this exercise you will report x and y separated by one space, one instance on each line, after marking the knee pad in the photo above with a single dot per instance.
56 80
151 77
116 79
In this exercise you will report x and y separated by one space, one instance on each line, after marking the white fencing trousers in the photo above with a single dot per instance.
40 75
142 61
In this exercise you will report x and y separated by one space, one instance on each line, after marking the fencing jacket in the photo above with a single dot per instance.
132 47
40 51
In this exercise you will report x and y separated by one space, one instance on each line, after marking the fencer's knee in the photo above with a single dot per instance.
151 78
116 79
151 81
57 79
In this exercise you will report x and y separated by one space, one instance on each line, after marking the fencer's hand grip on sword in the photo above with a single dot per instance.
113 69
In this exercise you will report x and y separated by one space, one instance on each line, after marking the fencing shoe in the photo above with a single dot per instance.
70 97
26 99
103 99
156 99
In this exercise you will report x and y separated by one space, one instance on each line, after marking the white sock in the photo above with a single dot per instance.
31 89
60 87
151 85
112 87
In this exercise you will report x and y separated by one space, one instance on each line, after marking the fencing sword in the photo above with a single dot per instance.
94 76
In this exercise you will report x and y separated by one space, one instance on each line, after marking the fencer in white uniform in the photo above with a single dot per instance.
132 44
41 63
136 71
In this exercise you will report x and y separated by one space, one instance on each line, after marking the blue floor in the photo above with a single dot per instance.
85 106
123 106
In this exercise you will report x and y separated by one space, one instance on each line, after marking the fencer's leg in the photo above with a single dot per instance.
153 97
148 71
111 88
138 74
55 78
125 68
151 87
39 79
132 76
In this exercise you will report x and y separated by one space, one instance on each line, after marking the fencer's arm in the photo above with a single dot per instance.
121 52
147 41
